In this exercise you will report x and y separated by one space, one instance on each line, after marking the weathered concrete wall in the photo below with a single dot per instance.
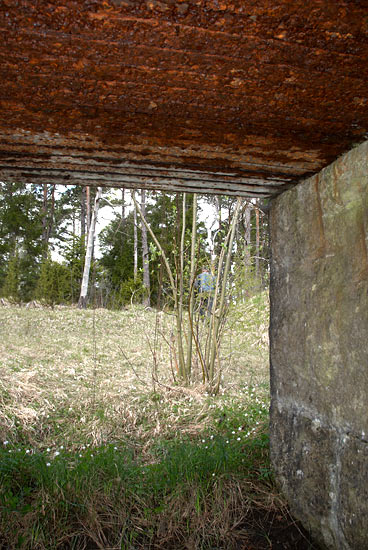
319 350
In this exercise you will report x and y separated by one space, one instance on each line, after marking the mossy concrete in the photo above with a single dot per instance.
319 350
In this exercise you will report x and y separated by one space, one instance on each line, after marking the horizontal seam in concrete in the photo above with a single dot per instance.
312 414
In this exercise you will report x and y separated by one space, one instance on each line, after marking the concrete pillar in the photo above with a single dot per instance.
319 350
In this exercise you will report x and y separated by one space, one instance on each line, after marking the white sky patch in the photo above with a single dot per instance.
207 215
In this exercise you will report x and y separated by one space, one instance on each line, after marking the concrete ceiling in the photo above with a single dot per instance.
240 97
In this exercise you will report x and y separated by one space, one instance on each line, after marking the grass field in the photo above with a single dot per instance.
101 448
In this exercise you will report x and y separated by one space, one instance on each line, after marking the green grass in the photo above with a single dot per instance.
95 454
114 492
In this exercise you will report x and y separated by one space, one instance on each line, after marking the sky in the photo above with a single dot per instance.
107 212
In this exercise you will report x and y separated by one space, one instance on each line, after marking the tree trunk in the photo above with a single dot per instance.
257 244
51 218
218 306
160 279
179 317
135 271
145 255
264 247
89 252
247 231
47 218
247 215
88 207
191 287
123 204
83 214
173 285
44 222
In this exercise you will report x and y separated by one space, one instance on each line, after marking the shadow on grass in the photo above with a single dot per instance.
214 491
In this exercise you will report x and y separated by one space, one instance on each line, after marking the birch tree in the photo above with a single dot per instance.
122 212
145 256
88 207
135 272
82 303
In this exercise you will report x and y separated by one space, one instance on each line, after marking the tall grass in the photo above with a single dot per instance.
97 454
188 487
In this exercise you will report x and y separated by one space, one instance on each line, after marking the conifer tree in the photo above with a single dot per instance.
11 287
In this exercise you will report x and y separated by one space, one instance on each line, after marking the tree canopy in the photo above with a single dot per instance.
43 235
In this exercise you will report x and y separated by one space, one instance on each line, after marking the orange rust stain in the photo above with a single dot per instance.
321 245
204 73
337 173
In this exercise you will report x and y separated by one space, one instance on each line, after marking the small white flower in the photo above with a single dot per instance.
233 432
238 438
62 447
203 441
57 453
48 464
6 442
239 429
227 441
211 437
115 448
28 451
48 449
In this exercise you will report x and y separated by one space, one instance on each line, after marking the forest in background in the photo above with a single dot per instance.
44 233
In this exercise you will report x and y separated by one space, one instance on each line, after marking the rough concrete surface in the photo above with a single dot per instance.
319 350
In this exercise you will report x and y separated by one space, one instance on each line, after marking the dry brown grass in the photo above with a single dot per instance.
97 453
70 376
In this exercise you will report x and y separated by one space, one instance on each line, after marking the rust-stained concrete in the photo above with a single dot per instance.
245 97
319 351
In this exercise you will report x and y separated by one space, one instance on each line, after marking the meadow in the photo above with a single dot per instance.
102 448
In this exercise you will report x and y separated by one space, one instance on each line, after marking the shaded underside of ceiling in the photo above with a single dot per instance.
240 97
